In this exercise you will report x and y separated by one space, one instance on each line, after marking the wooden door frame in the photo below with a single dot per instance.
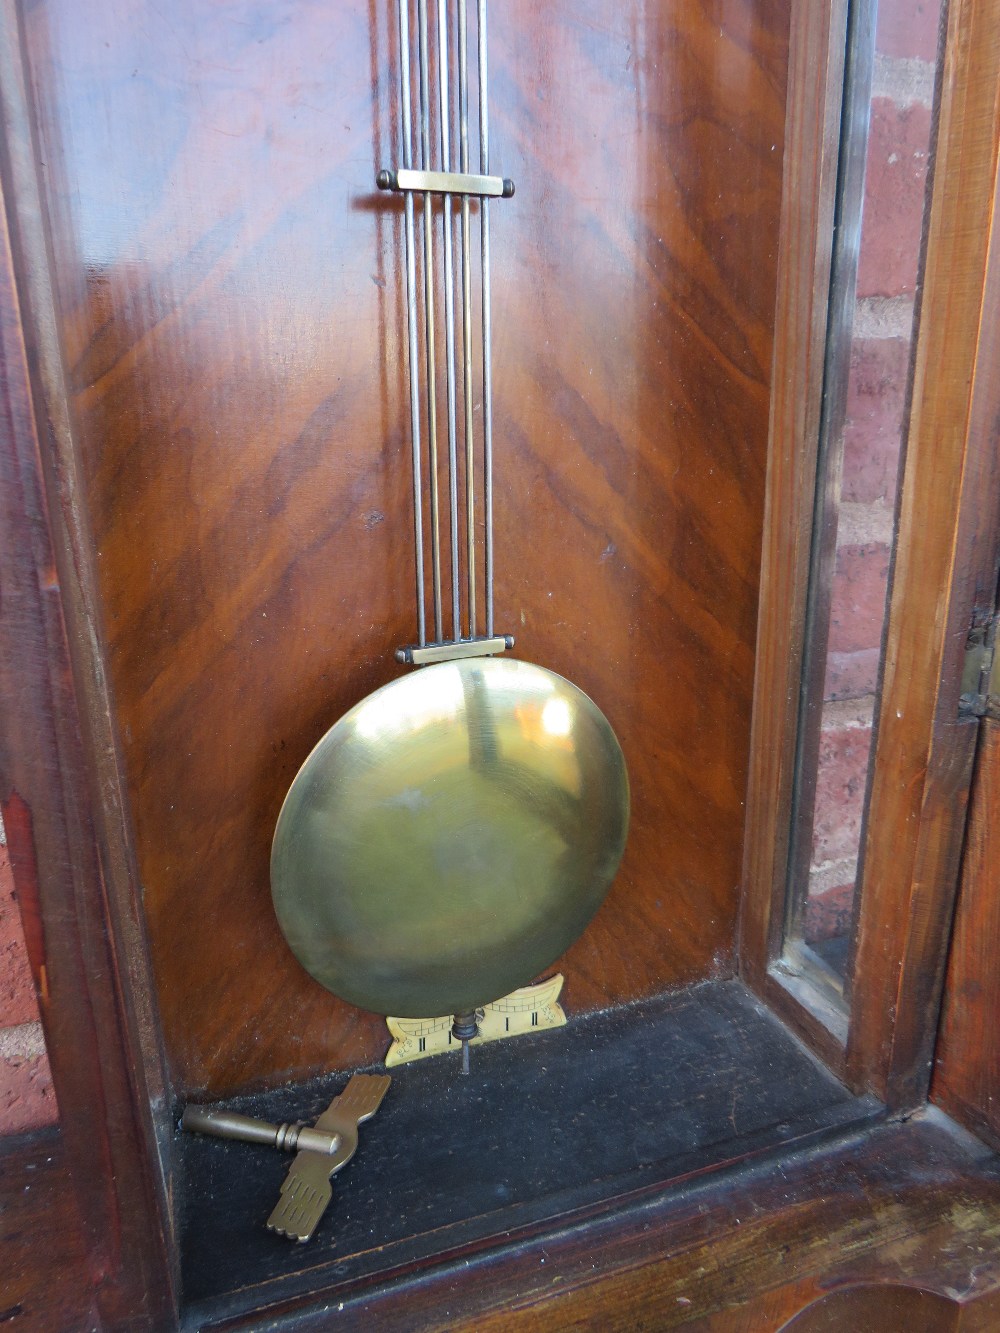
942 583
805 258
64 806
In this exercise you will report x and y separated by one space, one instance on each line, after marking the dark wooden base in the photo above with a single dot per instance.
45 1286
911 1206
887 1226
546 1131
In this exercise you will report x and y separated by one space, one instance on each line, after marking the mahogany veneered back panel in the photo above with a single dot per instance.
229 294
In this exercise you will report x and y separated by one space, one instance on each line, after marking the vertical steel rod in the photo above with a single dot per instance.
449 316
411 321
484 224
463 125
423 61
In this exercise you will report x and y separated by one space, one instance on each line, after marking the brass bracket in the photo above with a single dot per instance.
530 1009
408 181
980 695
452 650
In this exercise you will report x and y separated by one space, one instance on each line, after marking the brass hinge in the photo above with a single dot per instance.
981 672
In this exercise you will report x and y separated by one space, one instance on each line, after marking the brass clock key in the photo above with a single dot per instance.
323 1150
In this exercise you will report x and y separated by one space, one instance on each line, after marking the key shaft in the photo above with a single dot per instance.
286 1137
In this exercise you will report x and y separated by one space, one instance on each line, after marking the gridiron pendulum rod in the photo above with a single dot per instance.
447 183
449 318
463 126
423 59
411 321
484 223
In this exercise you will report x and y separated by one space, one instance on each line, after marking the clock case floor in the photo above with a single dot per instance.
548 1129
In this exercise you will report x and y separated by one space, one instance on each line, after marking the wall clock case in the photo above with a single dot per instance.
204 485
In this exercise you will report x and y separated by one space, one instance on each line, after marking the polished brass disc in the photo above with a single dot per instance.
450 837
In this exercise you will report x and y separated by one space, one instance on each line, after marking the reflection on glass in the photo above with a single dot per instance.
861 460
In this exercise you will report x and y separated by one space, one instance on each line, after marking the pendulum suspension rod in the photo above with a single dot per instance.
484 222
428 179
449 318
470 493
411 320
429 335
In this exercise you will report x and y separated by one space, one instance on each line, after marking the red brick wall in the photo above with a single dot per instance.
26 1097
895 185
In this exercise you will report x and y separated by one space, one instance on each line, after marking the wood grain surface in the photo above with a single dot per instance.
812 133
857 1230
966 1078
944 581
45 1287
967 1058
59 796
906 1205
229 294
